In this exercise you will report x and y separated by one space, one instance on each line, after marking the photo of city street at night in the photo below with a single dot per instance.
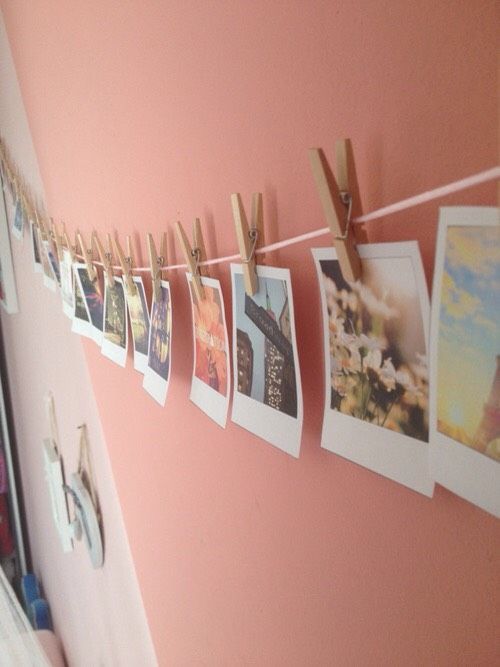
265 357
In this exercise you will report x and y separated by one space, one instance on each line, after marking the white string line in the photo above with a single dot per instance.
456 186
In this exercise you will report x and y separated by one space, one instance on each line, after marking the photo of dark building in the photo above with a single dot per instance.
266 340
245 362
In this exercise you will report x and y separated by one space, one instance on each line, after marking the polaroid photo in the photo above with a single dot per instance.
35 246
54 261
210 384
19 220
81 323
465 356
94 302
139 323
267 397
115 336
11 200
48 273
157 374
50 266
8 187
8 293
67 289
375 334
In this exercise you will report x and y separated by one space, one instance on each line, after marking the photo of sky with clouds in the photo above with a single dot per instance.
469 328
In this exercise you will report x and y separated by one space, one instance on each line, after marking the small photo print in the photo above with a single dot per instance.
8 294
35 243
211 381
139 323
19 219
159 363
115 339
267 391
54 262
81 320
51 267
375 342
94 302
465 422
48 272
67 290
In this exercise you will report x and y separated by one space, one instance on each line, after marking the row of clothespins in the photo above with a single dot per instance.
338 196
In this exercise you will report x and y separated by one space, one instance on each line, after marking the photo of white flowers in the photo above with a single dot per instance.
376 376
378 363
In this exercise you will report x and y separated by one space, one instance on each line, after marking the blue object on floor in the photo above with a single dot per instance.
40 613
30 588
37 609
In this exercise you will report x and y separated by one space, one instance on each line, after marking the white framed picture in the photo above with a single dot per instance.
8 294
159 359
465 356
115 331
375 336
267 397
211 380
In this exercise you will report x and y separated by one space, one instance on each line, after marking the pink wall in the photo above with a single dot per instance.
98 614
142 112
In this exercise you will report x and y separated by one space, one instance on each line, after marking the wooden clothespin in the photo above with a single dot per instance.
30 210
57 238
88 257
157 262
248 237
42 227
69 246
105 258
336 199
125 263
193 255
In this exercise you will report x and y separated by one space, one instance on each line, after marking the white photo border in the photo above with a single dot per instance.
95 333
464 471
393 455
140 359
110 350
9 302
214 404
154 384
264 421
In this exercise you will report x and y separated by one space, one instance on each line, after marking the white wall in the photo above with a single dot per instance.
98 614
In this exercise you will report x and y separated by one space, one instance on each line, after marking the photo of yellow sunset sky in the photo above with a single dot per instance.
468 392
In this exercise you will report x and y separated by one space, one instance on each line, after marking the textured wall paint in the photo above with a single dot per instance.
145 111
98 614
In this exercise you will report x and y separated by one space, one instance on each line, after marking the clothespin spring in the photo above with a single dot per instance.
196 253
253 235
346 198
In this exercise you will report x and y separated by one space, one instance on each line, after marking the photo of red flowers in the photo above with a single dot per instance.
210 339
